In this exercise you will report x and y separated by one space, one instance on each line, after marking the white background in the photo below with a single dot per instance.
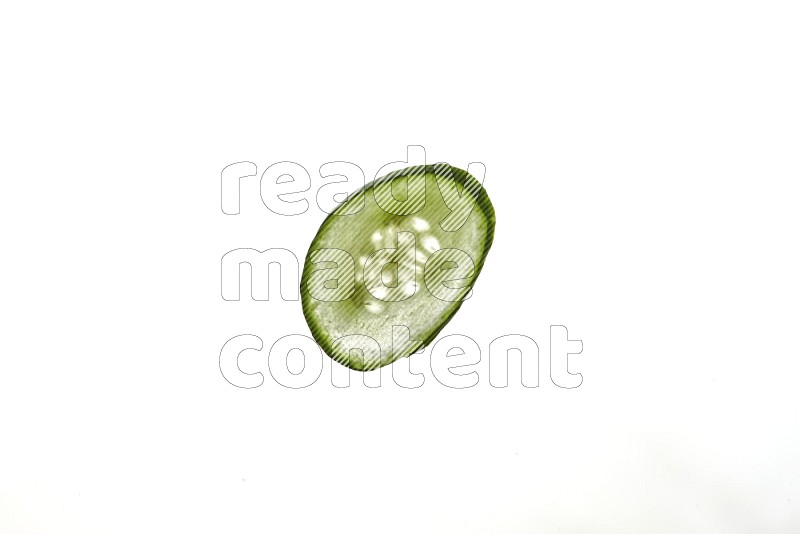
642 158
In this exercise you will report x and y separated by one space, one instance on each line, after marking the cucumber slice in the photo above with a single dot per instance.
392 265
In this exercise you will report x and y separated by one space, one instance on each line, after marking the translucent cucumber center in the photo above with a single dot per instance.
399 280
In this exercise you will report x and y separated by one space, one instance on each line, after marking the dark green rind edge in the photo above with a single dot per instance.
470 184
